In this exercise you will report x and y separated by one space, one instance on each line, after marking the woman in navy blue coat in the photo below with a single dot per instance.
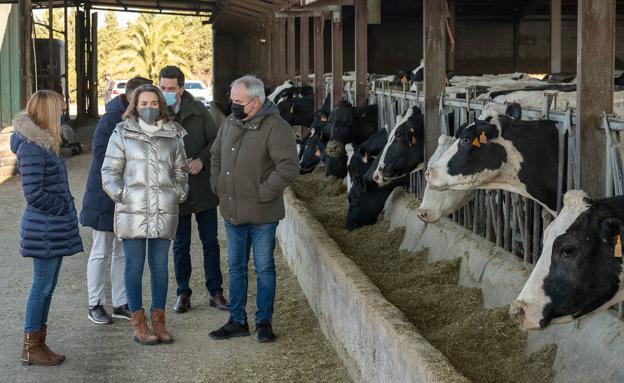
49 227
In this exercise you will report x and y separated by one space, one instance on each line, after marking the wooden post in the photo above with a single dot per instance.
93 68
516 43
279 51
66 77
274 54
555 36
51 46
361 51
26 51
269 56
450 49
304 49
595 49
434 36
290 52
319 60
80 64
337 71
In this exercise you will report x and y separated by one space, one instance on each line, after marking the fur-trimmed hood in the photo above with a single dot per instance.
26 130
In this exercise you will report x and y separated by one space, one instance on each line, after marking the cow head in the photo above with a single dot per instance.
404 151
312 153
440 203
352 125
476 158
335 159
580 268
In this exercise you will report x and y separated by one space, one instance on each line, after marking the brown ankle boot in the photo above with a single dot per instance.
54 356
142 334
32 353
158 326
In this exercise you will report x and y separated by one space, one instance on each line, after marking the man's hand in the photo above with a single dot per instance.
195 166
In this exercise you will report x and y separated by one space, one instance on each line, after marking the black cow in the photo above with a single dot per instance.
351 125
580 269
335 159
405 149
312 153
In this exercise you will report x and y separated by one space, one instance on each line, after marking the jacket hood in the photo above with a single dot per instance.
29 131
267 109
187 106
117 105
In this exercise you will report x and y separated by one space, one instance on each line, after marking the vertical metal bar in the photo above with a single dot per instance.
475 217
51 45
560 165
514 209
66 79
526 243
499 219
537 220
488 216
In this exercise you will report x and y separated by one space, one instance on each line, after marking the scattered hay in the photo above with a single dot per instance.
484 345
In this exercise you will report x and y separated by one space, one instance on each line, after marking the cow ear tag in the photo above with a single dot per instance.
476 143
413 141
318 152
618 247
483 138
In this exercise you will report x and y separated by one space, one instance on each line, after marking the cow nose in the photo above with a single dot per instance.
423 214
427 174
517 311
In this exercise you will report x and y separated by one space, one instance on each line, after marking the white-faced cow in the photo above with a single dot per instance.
502 153
440 203
404 150
580 268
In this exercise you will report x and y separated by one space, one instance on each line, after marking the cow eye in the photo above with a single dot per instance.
465 140
568 250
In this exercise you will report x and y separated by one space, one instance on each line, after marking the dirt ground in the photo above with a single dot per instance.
484 345
97 353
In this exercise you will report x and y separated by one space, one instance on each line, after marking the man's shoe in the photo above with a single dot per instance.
230 330
122 312
265 331
219 301
182 305
97 314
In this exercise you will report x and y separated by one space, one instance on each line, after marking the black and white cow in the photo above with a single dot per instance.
502 153
580 269
352 125
280 91
312 153
365 157
404 151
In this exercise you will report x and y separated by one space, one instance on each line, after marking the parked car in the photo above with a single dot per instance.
199 90
118 88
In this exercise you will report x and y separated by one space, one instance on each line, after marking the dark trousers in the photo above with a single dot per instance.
207 225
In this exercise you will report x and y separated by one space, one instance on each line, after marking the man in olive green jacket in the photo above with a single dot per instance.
254 158
201 132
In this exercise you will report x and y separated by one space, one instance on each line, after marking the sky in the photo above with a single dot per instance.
123 17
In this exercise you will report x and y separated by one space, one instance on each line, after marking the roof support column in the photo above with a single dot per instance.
25 7
555 36
595 49
361 51
451 44
80 64
269 56
434 36
304 49
319 60
337 71
291 48
279 50
50 79
93 68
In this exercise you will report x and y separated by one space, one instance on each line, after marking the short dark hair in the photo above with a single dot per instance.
134 83
172 71
131 111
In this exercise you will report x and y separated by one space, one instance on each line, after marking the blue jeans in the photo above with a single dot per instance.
207 228
262 238
45 276
157 254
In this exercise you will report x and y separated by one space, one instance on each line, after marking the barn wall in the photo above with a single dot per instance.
10 80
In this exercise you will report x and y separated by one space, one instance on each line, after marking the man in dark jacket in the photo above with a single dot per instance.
201 132
254 158
97 213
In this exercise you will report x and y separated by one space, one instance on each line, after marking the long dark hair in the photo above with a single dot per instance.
131 111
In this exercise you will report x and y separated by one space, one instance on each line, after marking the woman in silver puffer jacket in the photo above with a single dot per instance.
145 173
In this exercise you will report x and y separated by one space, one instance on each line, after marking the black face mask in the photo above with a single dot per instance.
238 111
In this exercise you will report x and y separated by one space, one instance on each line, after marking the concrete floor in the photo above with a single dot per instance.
97 353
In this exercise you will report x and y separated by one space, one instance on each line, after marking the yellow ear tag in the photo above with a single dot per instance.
618 247
483 138
476 143
318 152
413 141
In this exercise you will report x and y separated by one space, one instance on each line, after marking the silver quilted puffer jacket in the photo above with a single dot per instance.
146 177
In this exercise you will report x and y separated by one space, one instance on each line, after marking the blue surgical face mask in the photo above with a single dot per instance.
170 98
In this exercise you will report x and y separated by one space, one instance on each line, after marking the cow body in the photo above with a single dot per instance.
580 269
502 153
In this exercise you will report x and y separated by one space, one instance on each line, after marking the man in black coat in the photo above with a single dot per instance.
97 212
201 133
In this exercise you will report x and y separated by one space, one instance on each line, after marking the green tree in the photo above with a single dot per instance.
108 36
151 43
